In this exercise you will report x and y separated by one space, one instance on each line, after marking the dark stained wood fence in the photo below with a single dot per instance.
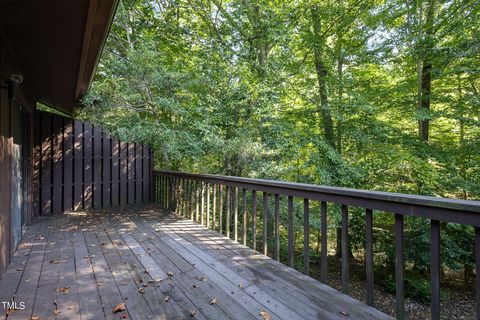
78 166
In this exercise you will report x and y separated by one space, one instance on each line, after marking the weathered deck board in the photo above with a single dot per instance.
181 267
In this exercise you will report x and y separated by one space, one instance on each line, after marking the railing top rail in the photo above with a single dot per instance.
310 189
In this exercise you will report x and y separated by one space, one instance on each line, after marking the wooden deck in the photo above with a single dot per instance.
81 265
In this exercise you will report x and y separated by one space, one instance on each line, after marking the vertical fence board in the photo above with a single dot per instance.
115 172
107 171
146 174
131 173
77 165
57 172
97 167
88 166
68 165
138 173
37 156
123 174
46 179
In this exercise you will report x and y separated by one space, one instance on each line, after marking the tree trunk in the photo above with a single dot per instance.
322 73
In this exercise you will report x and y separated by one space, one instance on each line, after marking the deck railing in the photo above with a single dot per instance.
201 197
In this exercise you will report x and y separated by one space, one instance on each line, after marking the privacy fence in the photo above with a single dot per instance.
78 166
229 205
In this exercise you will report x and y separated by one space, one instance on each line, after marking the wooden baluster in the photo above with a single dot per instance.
192 188
290 231
324 254
202 208
197 202
185 197
345 249
435 268
220 209
214 213
254 219
228 205
244 215
306 236
277 226
265 223
235 214
399 266
369 255
477 269
208 206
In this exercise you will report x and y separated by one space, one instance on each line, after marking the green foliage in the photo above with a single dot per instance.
233 87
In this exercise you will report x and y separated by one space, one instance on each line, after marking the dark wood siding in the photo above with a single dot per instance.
78 166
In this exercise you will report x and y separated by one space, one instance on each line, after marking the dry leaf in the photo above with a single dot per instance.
141 290
204 278
35 318
195 286
119 307
265 315
124 316
28 280
193 312
240 285
19 269
170 273
167 298
55 261
214 301
343 313
70 308
63 290
56 312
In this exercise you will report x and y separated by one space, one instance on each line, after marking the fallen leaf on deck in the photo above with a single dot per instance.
193 312
56 312
63 290
119 307
28 280
93 245
27 254
265 315
343 313
124 283
70 308
56 261
157 230
167 298
124 316
19 269
214 301
204 278
170 273
240 285
141 290
195 286
35 318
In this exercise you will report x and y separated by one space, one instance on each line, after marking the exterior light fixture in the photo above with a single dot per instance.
14 79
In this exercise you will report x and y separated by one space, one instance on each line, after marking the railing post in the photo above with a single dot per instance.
435 268
399 265
290 231
306 236
254 219
202 208
244 215
277 226
228 205
369 255
214 211
324 255
220 209
477 269
235 214
208 206
265 223
345 249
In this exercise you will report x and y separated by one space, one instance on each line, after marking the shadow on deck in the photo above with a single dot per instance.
161 266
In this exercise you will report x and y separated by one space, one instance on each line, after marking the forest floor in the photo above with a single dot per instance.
458 301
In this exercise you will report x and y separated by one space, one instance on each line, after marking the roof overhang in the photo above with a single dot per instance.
56 45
